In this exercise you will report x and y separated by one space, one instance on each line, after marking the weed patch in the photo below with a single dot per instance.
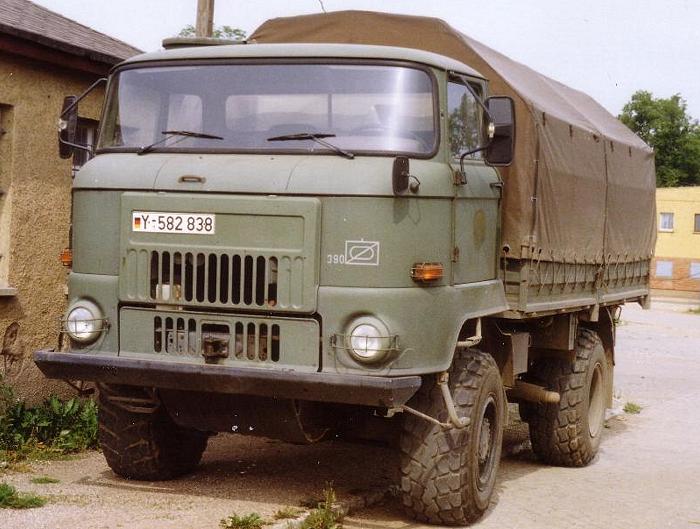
324 516
249 521
632 408
11 499
288 513
694 310
45 480
48 431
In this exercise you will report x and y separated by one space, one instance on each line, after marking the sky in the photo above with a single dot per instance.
606 48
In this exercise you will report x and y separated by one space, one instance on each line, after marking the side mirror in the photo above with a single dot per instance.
501 130
400 175
67 127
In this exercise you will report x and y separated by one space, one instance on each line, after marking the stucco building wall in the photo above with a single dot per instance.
34 212
677 262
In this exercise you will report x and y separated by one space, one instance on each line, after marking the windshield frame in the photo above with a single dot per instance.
109 94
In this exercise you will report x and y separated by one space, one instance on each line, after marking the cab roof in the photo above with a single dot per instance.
310 51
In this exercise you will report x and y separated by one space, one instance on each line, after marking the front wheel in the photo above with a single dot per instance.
568 433
140 440
448 475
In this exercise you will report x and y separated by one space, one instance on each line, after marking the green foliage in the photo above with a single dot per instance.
45 480
287 513
249 521
632 408
55 426
323 517
463 123
665 125
11 499
220 32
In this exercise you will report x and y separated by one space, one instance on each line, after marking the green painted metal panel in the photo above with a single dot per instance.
476 224
95 239
427 322
177 336
262 254
374 242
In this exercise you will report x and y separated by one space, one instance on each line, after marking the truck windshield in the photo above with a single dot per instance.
367 108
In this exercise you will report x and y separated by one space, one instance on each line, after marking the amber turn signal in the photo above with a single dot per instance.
426 272
66 257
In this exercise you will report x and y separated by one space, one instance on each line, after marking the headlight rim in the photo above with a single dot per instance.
97 318
387 343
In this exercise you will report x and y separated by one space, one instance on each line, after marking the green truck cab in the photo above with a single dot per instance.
294 239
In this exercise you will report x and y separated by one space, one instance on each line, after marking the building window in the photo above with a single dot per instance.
665 221
695 270
697 223
664 269
86 133
464 119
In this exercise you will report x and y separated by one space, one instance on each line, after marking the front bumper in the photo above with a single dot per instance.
384 392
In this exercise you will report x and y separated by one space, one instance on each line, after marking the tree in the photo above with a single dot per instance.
665 125
220 32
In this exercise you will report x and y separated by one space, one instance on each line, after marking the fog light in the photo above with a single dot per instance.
84 322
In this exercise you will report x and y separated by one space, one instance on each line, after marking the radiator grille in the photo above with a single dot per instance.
216 279
246 341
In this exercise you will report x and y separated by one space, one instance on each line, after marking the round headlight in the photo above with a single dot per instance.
366 341
84 323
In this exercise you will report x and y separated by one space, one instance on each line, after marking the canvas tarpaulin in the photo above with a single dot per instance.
581 186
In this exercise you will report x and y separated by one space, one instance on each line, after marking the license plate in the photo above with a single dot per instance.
157 222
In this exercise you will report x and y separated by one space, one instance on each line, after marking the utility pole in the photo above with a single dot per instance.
205 18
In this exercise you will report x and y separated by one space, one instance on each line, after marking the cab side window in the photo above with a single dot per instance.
464 119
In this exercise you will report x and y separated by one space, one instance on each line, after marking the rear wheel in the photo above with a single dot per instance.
139 439
448 475
568 433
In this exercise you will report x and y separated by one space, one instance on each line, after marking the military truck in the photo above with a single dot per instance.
337 224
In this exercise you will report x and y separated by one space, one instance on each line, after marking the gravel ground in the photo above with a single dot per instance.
646 474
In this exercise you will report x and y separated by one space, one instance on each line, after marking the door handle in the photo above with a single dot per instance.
191 179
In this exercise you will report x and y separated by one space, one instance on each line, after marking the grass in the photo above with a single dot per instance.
11 499
324 516
287 513
694 310
632 408
52 430
44 480
249 521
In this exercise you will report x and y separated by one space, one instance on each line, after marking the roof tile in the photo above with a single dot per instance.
33 22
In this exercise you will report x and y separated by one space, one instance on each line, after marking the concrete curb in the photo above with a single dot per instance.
342 508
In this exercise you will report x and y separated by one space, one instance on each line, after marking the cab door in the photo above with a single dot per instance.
476 201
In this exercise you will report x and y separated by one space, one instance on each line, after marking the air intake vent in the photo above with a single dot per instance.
208 278
185 337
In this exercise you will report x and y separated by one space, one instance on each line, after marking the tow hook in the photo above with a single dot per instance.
215 347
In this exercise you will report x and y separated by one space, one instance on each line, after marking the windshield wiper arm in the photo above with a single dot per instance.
183 133
318 138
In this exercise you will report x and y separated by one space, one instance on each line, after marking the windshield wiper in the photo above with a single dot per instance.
183 133
318 138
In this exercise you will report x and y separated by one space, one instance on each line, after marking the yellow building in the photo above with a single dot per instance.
677 262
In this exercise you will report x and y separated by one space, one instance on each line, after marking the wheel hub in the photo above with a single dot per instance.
484 440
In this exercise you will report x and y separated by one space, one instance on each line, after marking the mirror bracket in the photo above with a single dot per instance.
68 121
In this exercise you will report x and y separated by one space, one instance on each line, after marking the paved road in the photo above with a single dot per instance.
647 474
